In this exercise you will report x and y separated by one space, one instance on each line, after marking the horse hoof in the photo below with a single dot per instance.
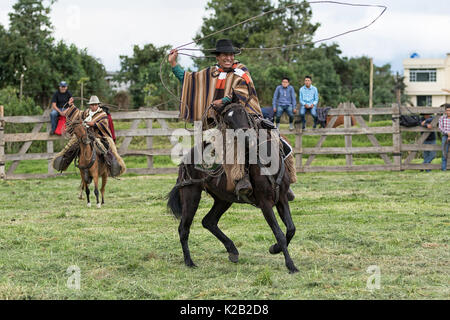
294 270
99 206
233 257
191 265
89 205
272 250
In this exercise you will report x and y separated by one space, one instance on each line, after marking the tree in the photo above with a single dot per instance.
29 48
338 78
142 69
277 29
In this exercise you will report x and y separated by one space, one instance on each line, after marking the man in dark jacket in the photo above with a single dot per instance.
59 104
428 156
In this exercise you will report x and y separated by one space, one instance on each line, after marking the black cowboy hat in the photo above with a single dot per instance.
225 46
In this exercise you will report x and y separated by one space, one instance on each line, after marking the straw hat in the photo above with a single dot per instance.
94 100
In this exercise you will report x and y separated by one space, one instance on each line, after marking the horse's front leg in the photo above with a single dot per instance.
88 192
285 214
80 196
102 190
281 238
97 194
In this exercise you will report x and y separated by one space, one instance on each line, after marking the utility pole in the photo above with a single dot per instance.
21 86
398 89
82 100
81 83
371 89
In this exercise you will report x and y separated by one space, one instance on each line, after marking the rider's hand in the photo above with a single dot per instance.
90 124
173 55
218 103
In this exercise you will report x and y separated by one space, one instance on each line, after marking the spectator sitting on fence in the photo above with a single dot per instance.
444 126
428 156
284 100
309 99
59 104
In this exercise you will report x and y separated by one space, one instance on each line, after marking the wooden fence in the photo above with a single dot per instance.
391 155
394 156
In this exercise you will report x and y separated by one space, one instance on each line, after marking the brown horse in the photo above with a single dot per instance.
90 165
340 121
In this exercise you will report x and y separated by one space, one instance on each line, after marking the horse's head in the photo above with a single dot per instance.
234 116
77 127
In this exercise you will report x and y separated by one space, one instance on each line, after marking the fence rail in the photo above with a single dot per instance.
305 156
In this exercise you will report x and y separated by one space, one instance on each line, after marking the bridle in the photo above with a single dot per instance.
87 141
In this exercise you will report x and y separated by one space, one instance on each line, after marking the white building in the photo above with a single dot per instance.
425 80
115 85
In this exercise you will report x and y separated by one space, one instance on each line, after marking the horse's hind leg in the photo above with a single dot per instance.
210 222
285 214
281 238
190 198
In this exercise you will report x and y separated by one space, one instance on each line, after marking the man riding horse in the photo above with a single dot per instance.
96 121
227 82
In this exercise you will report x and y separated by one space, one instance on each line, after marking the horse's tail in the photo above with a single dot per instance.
174 203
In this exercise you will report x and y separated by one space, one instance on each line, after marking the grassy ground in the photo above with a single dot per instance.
130 249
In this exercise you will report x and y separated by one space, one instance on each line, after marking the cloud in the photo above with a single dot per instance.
109 32
109 29
392 38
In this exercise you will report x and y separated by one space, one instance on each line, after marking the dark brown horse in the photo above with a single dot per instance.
185 197
90 164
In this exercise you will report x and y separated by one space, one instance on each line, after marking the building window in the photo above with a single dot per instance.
424 101
422 75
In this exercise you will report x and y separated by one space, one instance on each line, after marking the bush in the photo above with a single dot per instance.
13 106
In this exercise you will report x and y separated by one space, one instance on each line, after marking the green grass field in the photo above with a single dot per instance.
130 248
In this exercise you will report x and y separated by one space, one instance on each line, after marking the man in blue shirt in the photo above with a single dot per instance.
309 99
284 100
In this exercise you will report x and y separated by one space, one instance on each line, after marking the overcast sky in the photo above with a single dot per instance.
110 28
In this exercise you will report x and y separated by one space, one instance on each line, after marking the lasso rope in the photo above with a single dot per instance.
182 47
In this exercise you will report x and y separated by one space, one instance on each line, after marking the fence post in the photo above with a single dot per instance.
2 145
50 150
348 138
149 123
397 137
299 148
